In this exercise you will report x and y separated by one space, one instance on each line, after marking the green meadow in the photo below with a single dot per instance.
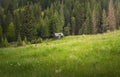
72 56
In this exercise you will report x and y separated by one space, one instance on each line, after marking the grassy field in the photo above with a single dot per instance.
72 56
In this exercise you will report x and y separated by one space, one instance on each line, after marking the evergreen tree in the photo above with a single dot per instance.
43 29
94 21
19 41
0 34
54 24
56 20
61 18
104 21
73 24
28 27
11 32
117 12
78 13
111 16
67 29
85 27
18 17
5 43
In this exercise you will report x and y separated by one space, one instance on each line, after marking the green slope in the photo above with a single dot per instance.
73 56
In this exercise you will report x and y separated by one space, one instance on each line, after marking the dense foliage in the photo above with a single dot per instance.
32 19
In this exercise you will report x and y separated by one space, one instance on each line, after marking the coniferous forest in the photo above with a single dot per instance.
34 20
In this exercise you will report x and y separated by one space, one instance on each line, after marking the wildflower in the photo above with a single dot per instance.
18 64
11 64
58 71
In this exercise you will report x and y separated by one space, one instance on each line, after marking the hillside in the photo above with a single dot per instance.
72 56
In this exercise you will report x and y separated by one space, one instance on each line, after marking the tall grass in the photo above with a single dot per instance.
72 56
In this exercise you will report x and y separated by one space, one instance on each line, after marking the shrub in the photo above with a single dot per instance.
108 31
23 43
4 42
39 40
66 31
19 41
25 40
29 43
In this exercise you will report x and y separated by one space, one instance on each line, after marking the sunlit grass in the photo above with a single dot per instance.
72 56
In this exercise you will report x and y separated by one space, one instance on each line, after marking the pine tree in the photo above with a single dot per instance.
73 24
18 17
61 16
67 29
0 34
11 32
52 26
28 27
85 27
43 29
117 12
104 21
111 16
78 14
94 21
56 21
5 42
19 41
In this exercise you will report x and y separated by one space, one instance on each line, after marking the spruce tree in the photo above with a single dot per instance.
43 28
85 27
78 14
28 27
56 22
104 21
67 29
111 16
0 34
19 41
88 21
73 25
61 17
117 12
5 43
11 32
18 17
94 21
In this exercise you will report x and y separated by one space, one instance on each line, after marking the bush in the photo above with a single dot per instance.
4 42
108 31
29 43
19 41
66 31
39 40
25 40
23 43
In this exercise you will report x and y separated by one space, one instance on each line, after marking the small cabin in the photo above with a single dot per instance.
58 35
